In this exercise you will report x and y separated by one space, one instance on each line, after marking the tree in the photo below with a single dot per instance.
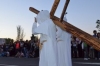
9 40
20 33
98 25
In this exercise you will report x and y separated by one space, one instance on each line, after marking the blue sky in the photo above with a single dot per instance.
81 13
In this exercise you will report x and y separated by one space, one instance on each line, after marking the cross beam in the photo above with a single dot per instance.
94 42
64 10
54 7
90 40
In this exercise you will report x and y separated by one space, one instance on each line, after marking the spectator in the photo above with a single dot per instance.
98 36
74 47
85 51
95 51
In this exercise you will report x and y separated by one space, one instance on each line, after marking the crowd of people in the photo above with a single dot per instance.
80 49
30 49
27 49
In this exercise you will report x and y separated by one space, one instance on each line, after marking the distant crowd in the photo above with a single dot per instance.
81 49
27 49
30 49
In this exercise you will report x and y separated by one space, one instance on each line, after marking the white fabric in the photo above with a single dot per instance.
47 29
78 40
41 18
82 45
64 48
34 27
43 38
59 33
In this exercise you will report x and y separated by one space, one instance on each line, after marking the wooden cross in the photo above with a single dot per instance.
90 40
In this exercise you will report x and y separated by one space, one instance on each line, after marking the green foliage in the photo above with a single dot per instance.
98 25
9 40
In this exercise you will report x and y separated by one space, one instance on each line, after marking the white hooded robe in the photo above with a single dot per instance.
63 47
47 29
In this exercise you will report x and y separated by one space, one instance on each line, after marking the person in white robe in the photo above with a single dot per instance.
47 29
63 47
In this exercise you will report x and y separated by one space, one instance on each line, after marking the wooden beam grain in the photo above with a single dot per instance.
54 7
33 10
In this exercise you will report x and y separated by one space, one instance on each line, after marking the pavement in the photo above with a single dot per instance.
82 62
11 61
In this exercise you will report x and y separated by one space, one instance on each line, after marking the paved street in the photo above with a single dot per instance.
34 62
81 62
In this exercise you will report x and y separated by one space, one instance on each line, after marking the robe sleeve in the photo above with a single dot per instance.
43 38
34 27
42 29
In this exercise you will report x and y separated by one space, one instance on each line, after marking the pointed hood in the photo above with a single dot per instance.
42 16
